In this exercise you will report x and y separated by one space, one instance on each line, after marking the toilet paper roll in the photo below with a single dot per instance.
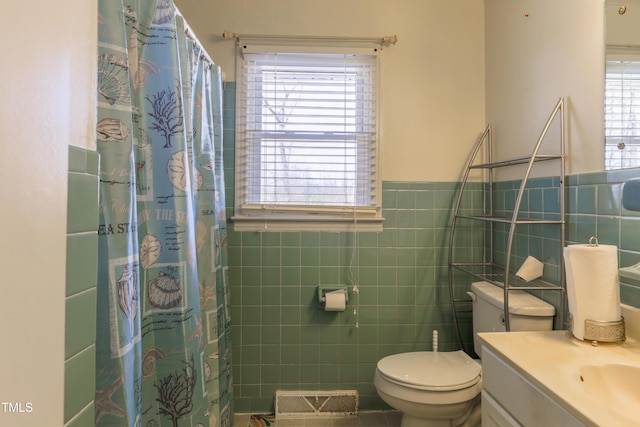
593 291
335 301
530 269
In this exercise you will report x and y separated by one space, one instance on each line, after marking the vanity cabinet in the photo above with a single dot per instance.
510 399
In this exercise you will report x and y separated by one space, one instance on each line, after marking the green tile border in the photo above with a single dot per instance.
399 270
79 384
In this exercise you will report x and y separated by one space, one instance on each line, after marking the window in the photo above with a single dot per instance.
307 151
622 114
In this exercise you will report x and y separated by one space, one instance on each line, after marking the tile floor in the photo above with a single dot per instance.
364 419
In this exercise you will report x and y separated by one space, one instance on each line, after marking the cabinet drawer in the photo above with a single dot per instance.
524 401
494 415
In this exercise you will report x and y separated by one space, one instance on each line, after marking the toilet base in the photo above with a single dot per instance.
472 418
409 421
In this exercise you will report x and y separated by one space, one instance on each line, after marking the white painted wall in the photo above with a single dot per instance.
48 102
433 79
436 100
623 29
537 51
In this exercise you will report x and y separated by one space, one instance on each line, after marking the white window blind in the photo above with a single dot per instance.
306 137
622 114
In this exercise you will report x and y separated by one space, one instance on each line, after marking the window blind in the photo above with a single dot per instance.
307 133
622 114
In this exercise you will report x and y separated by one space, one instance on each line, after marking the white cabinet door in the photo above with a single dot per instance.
494 415
527 404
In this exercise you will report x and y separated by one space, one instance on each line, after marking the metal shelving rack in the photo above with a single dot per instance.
488 270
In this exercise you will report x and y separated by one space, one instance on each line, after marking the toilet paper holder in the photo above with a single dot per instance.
323 289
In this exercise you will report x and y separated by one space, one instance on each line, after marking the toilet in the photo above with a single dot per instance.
434 388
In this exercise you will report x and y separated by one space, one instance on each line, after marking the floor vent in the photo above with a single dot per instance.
302 404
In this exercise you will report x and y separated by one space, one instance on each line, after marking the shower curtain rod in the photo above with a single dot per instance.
388 40
192 35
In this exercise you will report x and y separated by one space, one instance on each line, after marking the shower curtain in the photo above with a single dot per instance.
163 350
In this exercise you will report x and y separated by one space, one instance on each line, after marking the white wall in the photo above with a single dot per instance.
623 29
436 100
537 51
48 102
433 79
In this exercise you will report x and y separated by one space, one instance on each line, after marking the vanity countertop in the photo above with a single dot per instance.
552 361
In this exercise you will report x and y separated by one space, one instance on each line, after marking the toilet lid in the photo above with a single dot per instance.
429 370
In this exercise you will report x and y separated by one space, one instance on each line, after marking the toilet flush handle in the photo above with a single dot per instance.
473 296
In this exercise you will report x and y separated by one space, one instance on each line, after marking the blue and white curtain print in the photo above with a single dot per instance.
163 338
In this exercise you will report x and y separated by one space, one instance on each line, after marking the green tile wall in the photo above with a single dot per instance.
540 199
593 206
282 339
595 209
80 306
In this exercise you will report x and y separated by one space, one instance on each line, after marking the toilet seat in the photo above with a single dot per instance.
432 371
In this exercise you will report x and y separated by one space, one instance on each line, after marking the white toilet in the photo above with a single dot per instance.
433 388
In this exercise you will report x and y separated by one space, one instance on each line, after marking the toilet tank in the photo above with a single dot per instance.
526 312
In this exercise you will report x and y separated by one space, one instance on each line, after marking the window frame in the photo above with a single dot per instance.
252 215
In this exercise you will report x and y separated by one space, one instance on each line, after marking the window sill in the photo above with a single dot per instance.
305 223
